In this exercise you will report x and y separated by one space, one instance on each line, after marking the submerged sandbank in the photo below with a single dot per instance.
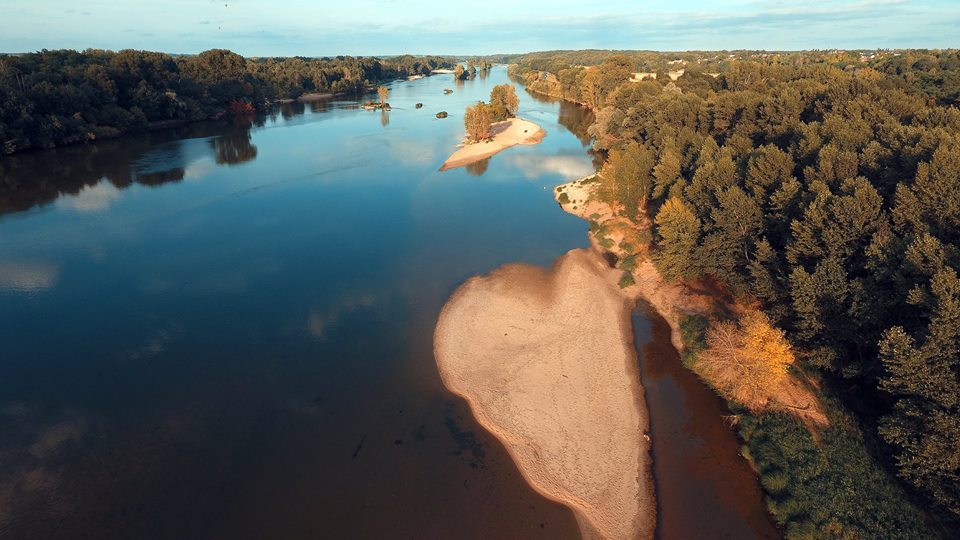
546 361
504 135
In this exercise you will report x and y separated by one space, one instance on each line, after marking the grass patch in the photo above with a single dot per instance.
606 243
626 280
628 263
594 216
564 198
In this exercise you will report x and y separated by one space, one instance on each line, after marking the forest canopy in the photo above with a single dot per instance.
823 187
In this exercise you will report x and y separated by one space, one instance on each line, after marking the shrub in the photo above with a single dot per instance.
564 198
626 280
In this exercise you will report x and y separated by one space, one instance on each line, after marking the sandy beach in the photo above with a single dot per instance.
546 361
505 134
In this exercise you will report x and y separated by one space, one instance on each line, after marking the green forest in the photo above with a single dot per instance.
824 186
53 98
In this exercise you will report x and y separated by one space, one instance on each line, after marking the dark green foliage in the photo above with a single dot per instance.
826 186
693 332
828 487
52 98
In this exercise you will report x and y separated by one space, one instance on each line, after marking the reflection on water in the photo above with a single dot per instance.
234 146
225 330
477 168
697 465
576 119
384 118
152 159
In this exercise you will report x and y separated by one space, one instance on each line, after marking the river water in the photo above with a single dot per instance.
225 330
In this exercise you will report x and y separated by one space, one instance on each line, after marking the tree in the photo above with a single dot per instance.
627 177
383 93
924 379
459 73
503 102
746 361
679 231
477 120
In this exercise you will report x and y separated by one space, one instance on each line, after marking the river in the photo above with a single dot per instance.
225 330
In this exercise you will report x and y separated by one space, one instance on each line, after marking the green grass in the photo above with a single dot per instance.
626 280
606 243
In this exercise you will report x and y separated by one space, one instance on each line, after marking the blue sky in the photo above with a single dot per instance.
317 28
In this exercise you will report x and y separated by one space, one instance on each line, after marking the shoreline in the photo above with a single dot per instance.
506 134
672 301
566 401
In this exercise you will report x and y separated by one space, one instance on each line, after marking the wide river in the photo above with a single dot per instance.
225 331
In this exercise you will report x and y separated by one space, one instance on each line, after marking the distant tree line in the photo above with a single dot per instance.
823 187
52 98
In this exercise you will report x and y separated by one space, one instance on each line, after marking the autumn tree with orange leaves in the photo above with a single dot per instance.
747 360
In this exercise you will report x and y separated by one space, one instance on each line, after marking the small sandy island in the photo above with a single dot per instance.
546 361
504 135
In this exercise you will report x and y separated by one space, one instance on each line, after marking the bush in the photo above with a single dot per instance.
626 280
693 332
564 198
827 488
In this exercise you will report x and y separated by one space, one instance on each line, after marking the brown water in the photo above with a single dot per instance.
705 489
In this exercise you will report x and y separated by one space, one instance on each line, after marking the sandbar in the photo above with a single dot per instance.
546 361
504 135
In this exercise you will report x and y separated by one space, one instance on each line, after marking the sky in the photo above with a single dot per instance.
386 27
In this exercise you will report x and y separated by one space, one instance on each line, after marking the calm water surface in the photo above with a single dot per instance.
225 330
705 489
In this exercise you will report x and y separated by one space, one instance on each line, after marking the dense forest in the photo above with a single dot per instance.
52 98
825 188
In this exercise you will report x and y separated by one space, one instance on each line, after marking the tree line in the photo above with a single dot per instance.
824 188
52 98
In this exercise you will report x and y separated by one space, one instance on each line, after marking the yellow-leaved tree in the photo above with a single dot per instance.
746 361
477 119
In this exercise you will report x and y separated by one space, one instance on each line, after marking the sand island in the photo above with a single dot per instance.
546 361
504 134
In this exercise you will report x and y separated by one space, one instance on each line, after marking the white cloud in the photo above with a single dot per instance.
94 198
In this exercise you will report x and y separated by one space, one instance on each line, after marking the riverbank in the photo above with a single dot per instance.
546 361
504 135
674 301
